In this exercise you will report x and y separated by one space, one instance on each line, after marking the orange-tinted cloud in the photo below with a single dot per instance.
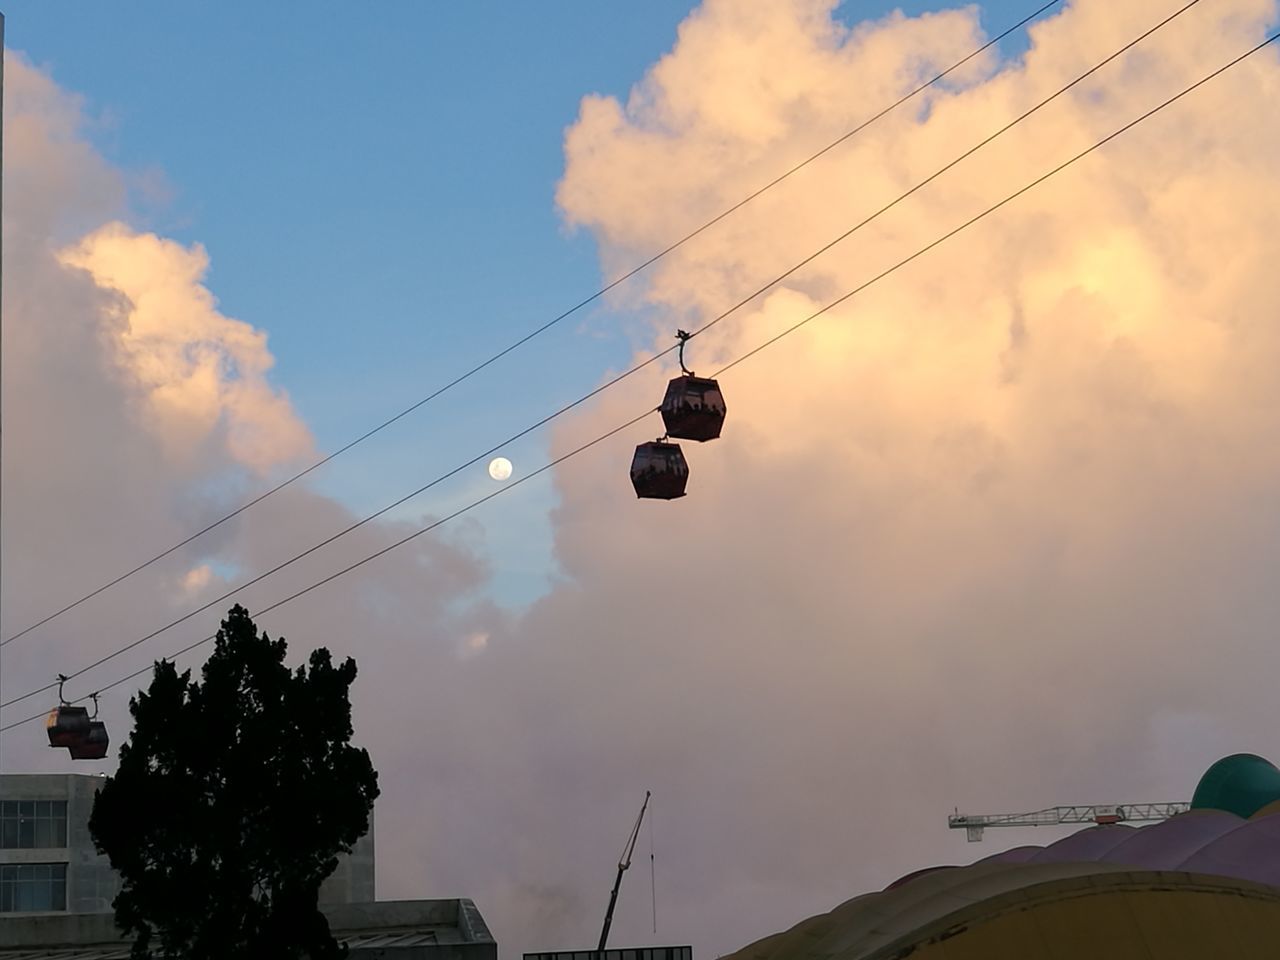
991 533
198 369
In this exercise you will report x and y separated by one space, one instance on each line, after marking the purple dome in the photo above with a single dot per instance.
1014 855
1167 845
1085 845
1249 852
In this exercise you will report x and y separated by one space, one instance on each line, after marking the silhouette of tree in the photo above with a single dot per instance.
232 800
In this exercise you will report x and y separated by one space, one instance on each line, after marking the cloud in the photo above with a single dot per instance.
998 532
197 368
137 413
992 533
197 578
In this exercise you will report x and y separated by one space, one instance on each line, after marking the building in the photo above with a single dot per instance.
387 930
1203 884
56 890
48 862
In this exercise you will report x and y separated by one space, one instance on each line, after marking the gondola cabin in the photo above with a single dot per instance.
659 471
693 408
94 744
67 726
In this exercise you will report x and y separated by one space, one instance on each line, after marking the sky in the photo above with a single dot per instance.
994 533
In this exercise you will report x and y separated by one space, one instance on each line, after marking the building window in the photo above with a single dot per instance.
33 887
33 824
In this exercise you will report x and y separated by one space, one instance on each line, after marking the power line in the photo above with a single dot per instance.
625 374
537 331
755 350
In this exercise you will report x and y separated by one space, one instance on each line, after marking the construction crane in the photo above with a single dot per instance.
623 863
974 825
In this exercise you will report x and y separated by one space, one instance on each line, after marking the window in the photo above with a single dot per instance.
33 824
32 887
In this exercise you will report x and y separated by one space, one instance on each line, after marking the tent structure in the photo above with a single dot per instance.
1199 886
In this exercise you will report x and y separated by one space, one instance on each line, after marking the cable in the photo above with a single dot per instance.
755 350
345 570
627 373
539 330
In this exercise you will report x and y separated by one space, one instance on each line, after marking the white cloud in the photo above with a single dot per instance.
197 369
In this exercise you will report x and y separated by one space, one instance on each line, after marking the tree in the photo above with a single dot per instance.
231 802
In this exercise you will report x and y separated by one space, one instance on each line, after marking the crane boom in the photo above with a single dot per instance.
973 824
623 863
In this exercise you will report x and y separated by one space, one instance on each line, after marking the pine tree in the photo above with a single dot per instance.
232 800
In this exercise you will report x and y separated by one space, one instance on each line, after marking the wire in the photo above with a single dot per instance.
359 563
751 353
536 332
620 377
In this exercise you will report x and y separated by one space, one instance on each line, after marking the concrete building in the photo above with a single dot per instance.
56 890
48 863
388 930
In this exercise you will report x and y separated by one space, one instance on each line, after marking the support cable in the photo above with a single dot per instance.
537 331
751 353
683 338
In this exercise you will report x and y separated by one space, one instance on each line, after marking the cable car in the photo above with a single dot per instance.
659 471
69 726
94 744
693 408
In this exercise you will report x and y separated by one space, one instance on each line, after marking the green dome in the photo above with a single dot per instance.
1241 784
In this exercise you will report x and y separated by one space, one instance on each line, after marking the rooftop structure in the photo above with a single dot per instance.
390 930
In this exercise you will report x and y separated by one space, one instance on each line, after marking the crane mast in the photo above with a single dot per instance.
975 824
623 862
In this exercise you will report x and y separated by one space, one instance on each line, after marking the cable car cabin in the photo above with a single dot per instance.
94 744
68 726
693 408
659 471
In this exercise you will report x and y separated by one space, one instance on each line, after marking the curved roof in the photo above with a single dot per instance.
1085 845
1203 884
1251 851
1013 854
1209 842
1067 911
1169 846
1241 784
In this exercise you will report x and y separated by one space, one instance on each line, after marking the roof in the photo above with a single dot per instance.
1203 884
1202 841
1064 911
387 930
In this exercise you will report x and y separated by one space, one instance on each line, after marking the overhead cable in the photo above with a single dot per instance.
537 331
755 350
625 374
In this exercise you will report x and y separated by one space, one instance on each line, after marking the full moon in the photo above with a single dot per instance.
499 468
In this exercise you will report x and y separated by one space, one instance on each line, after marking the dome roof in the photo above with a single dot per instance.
1203 884
1241 784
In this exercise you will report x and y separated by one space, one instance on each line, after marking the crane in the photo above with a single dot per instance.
973 825
623 863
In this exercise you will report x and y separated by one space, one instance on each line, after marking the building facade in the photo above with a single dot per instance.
48 863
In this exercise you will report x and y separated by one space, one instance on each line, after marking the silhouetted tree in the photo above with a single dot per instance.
231 802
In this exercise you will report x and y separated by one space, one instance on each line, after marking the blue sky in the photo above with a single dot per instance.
377 192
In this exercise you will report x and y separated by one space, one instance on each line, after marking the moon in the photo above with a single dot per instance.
499 468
